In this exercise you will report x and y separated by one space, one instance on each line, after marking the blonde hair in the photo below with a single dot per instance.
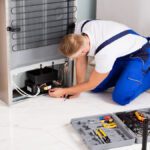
70 44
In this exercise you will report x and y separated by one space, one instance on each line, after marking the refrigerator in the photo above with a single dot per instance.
30 31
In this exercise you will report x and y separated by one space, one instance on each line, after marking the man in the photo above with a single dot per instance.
122 59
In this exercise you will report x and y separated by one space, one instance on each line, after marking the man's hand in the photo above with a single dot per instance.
57 92
61 93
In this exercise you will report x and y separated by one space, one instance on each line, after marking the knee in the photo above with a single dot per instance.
121 98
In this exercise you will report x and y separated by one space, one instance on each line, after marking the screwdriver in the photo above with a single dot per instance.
105 137
67 97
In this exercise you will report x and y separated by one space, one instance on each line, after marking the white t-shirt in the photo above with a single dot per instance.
98 32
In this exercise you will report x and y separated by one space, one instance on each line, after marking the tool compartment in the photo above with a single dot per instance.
103 132
134 120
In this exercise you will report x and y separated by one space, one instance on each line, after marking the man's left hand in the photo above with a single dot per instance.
57 92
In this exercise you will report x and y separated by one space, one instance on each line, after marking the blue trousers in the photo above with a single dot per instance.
130 76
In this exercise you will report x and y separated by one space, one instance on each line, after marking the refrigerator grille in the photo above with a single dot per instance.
38 23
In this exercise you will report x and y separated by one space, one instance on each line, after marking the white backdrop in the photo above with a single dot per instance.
134 13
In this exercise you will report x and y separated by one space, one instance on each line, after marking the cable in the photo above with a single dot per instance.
23 93
27 95
20 92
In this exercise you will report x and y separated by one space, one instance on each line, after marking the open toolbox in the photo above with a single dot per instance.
134 120
103 132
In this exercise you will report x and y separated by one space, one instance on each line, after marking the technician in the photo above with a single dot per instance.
122 60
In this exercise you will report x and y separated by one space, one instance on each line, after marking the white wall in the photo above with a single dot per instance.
86 9
134 13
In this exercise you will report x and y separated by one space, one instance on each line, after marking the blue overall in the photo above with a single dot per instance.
130 74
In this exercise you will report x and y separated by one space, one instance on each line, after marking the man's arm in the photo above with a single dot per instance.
95 79
81 68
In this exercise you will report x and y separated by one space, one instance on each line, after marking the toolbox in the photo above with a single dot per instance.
134 120
103 132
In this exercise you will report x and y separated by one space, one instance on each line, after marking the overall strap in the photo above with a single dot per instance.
84 24
114 38
148 38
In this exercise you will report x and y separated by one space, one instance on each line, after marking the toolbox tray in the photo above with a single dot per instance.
139 138
120 136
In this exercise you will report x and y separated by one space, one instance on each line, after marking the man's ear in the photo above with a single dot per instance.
82 53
